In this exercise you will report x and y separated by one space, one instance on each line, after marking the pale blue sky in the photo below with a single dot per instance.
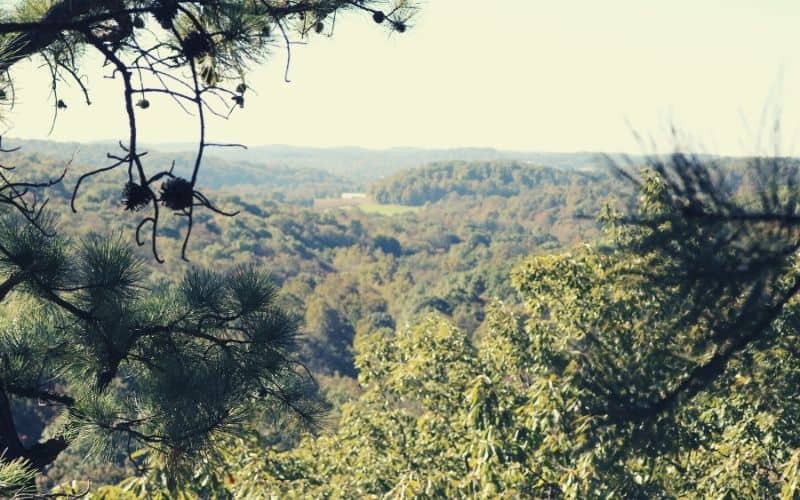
514 74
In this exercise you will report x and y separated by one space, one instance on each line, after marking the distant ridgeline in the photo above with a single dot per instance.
436 181
368 165
291 183
410 177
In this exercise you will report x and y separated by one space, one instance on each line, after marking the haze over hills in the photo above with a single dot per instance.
357 163
300 174
217 172
372 164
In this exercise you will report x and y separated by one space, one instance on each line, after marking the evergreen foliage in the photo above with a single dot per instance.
16 478
123 361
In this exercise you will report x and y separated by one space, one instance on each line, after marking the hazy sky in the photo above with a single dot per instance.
514 74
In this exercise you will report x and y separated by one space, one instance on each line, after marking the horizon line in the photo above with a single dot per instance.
190 145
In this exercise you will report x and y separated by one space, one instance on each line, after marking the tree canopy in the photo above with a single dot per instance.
658 362
654 361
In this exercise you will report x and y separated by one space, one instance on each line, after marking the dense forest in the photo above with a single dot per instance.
389 268
355 276
433 183
443 336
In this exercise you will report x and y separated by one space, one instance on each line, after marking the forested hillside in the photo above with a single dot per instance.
352 275
434 182
448 338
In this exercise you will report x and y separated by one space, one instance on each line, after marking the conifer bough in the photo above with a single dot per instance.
194 53
166 368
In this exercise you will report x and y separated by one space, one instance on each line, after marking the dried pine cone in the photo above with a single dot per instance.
136 197
177 194
196 45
